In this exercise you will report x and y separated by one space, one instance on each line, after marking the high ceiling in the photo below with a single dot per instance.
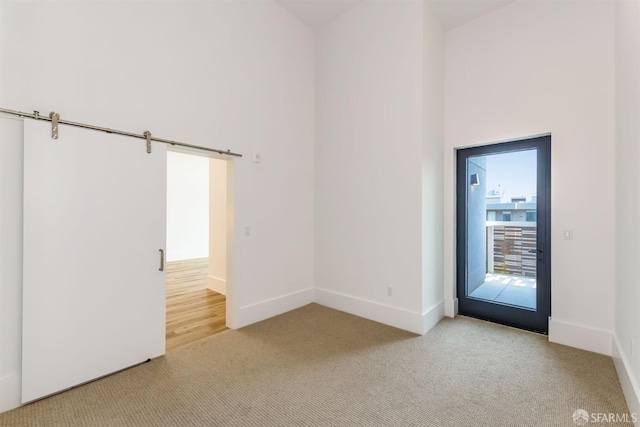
316 13
451 13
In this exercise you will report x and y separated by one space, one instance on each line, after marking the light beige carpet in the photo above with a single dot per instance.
319 367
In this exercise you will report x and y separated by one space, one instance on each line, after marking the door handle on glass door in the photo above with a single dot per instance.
540 252
161 260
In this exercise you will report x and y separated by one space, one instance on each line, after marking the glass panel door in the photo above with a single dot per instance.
502 224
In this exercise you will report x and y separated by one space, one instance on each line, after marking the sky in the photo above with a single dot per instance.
514 173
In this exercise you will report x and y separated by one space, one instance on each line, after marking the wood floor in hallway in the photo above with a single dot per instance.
193 311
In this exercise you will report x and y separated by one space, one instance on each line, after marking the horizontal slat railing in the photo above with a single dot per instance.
511 246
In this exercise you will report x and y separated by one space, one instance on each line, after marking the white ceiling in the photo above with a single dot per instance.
451 13
316 13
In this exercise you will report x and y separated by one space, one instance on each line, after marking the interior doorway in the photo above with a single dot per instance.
504 239
197 241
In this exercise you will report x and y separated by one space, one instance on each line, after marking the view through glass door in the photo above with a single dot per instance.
503 223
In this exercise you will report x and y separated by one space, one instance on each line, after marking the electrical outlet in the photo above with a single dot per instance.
389 291
247 231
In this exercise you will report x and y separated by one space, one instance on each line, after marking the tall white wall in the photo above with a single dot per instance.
370 143
528 69
432 170
627 320
237 75
187 206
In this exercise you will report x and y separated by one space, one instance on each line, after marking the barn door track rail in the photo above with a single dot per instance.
55 120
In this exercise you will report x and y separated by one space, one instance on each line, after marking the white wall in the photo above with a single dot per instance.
187 206
370 143
627 321
528 69
432 170
236 75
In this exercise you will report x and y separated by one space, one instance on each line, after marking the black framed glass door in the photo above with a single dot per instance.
503 233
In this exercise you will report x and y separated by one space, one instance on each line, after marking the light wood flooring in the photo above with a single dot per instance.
193 311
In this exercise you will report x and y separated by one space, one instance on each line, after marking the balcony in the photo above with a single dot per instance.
510 266
507 289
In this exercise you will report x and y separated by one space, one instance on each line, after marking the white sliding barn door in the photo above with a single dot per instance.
94 222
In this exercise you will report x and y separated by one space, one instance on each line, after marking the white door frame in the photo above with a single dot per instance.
230 304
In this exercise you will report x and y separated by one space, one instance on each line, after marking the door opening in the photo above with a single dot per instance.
503 239
197 241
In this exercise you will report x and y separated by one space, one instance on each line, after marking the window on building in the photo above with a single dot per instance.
531 216
506 216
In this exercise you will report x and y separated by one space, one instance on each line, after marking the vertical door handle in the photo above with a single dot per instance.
161 260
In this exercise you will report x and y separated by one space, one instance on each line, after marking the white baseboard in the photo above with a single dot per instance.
253 313
578 336
451 307
185 255
431 317
217 284
392 316
10 392
630 385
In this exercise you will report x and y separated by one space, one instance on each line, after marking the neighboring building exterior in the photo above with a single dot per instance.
517 209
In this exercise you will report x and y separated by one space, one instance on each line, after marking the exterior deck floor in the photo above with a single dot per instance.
507 289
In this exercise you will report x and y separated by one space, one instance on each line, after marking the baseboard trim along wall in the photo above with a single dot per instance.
217 284
10 392
392 316
630 385
451 307
257 312
581 337
432 316
186 255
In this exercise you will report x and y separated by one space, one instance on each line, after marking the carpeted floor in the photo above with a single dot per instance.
319 367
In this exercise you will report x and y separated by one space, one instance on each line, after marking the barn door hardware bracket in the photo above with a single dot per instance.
147 135
55 117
